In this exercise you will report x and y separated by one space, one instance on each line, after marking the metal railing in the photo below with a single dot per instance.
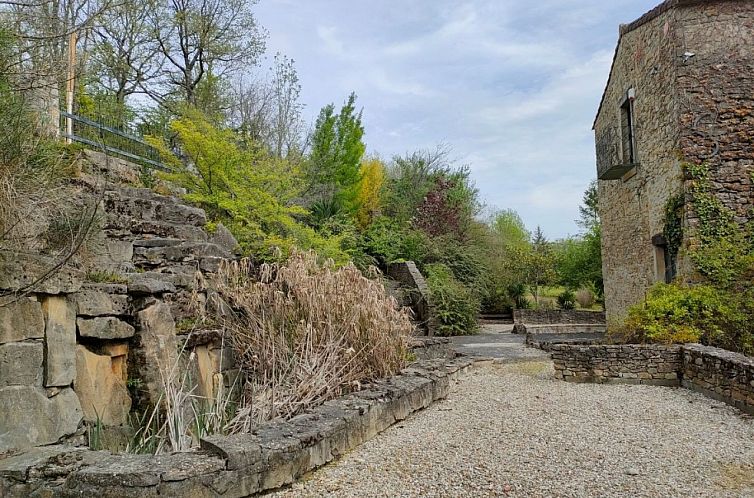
123 143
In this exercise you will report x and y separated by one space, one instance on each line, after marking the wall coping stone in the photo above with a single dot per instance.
273 455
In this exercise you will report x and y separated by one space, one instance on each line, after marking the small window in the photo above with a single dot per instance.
628 129
667 262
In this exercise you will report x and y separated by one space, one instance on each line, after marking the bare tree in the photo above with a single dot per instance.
269 110
126 56
202 37
43 30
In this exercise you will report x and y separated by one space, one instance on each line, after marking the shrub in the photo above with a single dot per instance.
585 298
455 307
388 240
567 300
675 313
517 293
305 333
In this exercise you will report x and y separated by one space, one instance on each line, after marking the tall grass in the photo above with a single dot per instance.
304 332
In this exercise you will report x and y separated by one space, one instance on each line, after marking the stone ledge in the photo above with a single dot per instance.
275 454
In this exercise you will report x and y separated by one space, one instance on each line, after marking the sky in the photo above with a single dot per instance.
511 86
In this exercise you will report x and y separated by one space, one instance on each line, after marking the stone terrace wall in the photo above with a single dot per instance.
626 364
96 339
720 374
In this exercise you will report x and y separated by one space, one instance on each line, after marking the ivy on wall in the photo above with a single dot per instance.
722 249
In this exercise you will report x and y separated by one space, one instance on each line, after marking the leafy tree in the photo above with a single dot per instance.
248 190
125 57
410 179
589 210
369 199
540 263
336 152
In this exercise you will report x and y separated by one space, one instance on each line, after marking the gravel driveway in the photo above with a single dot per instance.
512 430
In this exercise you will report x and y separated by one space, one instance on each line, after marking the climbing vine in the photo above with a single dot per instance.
673 223
718 309
722 247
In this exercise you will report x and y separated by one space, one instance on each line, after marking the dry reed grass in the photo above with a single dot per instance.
304 333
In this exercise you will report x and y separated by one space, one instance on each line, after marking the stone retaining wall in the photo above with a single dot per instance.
626 364
544 317
717 373
274 455
430 348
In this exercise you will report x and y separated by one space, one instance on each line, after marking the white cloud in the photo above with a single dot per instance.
513 87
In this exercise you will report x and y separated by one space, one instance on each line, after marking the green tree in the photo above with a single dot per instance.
540 263
589 210
244 187
337 149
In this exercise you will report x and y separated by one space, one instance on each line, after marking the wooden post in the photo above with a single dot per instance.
70 80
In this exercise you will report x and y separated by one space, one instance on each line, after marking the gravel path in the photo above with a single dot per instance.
512 430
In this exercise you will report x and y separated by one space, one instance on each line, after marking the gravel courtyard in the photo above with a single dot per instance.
512 430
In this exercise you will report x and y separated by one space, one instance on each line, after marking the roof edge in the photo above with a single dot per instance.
624 29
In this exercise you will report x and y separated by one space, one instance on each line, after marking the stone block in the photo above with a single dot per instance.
60 341
20 320
93 303
24 271
225 239
105 328
155 348
142 284
29 418
100 388
21 364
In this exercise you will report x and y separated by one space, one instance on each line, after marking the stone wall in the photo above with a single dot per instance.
274 455
97 337
546 317
409 276
632 208
717 373
691 65
720 374
624 364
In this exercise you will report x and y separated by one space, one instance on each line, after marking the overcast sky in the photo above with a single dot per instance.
511 85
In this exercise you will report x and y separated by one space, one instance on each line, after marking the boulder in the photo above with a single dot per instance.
60 341
223 237
29 418
20 320
21 364
100 388
105 327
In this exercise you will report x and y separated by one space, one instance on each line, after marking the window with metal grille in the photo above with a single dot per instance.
628 129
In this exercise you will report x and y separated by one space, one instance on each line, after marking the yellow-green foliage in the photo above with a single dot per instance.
369 197
455 307
676 314
243 186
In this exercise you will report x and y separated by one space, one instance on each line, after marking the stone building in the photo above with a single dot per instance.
681 90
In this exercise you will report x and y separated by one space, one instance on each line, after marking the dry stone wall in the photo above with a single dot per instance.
720 374
99 336
273 455
409 276
717 373
627 364
562 317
